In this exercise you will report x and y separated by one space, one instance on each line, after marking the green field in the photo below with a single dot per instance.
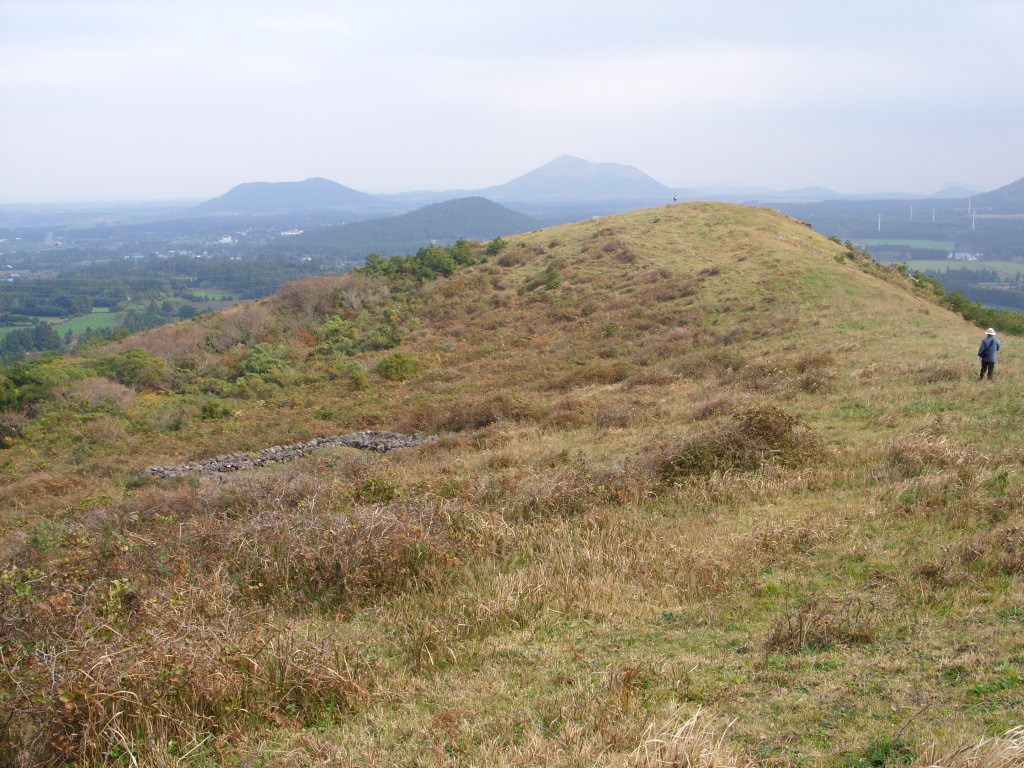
946 245
212 294
941 265
100 317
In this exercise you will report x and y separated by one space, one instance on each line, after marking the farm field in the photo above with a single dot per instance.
213 294
100 317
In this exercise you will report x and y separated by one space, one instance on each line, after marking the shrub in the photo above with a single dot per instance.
496 246
823 623
940 373
34 381
134 367
9 432
428 263
552 278
355 373
264 358
749 439
362 333
511 259
398 367
549 279
96 393
315 296
214 409
378 490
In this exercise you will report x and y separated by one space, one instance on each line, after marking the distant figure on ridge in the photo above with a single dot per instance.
987 354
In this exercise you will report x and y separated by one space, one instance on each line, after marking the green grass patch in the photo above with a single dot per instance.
100 317
214 294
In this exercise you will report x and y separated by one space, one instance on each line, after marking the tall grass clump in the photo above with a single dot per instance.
823 623
693 742
185 615
747 441
1006 751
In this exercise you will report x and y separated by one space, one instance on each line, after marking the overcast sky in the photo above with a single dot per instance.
166 99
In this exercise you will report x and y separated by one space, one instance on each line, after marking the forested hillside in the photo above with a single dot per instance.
473 218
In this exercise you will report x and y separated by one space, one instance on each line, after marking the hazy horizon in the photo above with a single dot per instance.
117 101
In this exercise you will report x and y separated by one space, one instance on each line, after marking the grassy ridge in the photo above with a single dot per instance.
698 466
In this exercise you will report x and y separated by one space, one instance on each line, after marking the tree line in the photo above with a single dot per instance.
985 286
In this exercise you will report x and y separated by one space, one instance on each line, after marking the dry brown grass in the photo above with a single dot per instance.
95 393
164 611
696 741
840 546
1006 751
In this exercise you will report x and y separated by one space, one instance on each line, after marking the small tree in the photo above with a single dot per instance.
496 246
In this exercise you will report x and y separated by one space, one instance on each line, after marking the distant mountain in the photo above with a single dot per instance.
955 192
1005 200
473 218
569 178
261 198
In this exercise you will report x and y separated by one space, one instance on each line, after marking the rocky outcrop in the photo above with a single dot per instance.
381 442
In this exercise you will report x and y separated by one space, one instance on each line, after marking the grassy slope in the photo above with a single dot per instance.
532 590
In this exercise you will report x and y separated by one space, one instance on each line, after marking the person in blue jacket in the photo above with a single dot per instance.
987 354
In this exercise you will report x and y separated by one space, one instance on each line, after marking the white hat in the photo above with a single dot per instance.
990 332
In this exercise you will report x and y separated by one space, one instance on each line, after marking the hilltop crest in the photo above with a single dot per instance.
683 286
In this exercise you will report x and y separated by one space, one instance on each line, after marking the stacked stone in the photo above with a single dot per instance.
371 440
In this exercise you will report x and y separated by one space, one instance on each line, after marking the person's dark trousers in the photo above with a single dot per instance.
986 366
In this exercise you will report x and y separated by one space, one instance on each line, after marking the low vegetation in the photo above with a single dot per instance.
709 490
